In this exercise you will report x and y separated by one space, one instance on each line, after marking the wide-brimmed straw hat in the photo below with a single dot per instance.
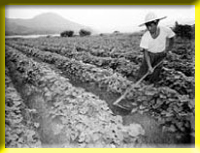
151 16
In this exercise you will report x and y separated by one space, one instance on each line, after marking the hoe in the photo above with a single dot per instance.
123 96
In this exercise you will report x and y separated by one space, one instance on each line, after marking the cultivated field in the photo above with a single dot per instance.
60 91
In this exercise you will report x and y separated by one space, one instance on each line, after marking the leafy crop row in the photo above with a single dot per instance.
125 64
178 81
169 107
75 117
171 102
122 53
115 83
84 72
20 129
114 47
173 111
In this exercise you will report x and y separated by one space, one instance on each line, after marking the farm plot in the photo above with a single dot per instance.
119 58
66 116
170 105
20 129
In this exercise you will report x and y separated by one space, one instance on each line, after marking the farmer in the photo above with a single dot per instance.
154 46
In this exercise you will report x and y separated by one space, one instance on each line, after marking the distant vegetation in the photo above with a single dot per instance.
184 31
84 32
68 33
116 32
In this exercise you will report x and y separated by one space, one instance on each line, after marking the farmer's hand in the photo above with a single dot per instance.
150 70
169 52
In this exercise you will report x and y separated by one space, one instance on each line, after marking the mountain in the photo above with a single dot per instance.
46 23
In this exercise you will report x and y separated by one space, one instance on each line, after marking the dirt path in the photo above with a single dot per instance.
153 131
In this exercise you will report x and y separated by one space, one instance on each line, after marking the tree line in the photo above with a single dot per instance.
184 31
70 33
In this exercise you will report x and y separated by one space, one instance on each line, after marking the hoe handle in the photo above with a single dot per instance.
134 85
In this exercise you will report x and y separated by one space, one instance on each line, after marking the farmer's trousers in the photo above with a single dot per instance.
155 58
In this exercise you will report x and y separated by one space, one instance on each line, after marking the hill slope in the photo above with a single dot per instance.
47 23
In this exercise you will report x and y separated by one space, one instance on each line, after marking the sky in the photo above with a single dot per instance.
123 18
